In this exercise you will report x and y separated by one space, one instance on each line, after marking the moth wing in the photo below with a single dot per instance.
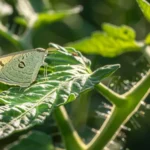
13 74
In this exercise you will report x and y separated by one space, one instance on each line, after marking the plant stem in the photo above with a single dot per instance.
108 130
110 95
139 89
120 114
70 136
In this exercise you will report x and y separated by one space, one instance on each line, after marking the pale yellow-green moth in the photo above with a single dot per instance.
21 68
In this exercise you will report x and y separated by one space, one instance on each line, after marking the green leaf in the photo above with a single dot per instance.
29 12
111 42
145 8
49 17
38 19
68 75
39 25
21 21
123 32
32 141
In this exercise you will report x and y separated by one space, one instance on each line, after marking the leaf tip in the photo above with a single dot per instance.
112 68
116 66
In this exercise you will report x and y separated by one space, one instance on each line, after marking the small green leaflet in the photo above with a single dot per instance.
68 75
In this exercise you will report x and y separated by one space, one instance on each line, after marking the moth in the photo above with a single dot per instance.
21 68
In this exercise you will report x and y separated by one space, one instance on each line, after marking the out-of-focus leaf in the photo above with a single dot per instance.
32 141
123 32
111 42
21 21
68 75
37 19
55 16
145 8
147 39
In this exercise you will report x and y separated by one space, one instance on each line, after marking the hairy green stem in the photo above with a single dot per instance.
139 89
120 114
70 136
108 130
110 95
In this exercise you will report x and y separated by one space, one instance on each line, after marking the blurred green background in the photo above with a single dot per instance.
87 115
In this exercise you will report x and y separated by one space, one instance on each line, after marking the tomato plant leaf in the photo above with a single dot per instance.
123 32
68 75
49 17
111 42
